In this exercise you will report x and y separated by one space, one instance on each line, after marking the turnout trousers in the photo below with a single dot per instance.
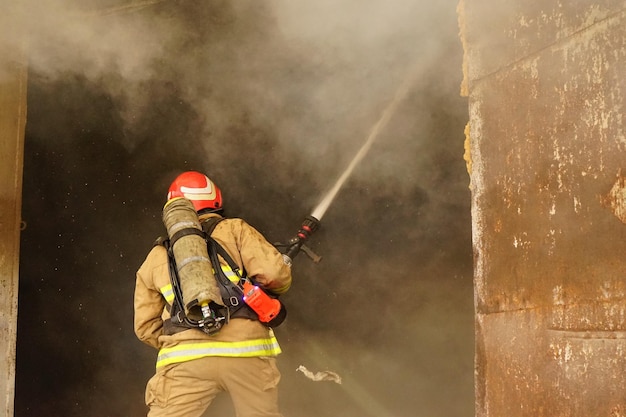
187 389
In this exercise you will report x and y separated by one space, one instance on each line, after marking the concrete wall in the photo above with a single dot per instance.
546 82
12 123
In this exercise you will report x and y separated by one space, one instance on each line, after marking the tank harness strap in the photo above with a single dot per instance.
179 321
209 224
185 232
232 295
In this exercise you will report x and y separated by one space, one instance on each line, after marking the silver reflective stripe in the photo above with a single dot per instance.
230 274
245 349
168 293
191 259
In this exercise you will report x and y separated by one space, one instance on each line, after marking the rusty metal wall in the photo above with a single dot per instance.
13 77
546 82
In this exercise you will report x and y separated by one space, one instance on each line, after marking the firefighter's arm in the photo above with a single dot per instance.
149 305
263 262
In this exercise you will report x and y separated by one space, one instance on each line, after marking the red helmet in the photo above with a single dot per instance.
198 188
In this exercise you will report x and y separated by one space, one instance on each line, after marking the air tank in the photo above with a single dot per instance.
197 281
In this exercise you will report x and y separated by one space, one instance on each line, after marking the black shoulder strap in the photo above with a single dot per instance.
232 294
208 226
222 252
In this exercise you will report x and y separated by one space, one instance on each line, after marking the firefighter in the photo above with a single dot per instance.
194 366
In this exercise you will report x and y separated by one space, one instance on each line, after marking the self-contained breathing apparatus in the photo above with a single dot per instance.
208 304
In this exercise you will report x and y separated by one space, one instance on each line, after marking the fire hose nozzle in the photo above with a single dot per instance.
308 227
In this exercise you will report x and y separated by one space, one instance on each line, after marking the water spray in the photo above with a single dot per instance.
311 223
321 208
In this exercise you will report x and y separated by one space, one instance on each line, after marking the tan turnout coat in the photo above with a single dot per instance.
249 249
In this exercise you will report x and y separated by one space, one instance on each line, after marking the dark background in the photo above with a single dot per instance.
272 100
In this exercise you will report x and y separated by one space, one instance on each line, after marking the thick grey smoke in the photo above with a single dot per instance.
272 100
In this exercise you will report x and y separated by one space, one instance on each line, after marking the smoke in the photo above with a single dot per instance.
272 100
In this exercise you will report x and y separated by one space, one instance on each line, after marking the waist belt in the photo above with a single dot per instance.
175 325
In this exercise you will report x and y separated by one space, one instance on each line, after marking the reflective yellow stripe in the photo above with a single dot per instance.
246 349
168 293
230 274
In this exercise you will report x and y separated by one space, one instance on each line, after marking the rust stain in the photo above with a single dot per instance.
467 155
618 411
